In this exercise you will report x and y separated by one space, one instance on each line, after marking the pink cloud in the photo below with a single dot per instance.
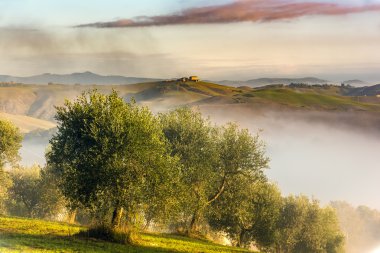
241 11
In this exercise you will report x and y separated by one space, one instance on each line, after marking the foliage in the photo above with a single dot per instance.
192 140
10 143
5 184
211 158
34 194
107 233
305 227
28 235
25 191
248 212
108 153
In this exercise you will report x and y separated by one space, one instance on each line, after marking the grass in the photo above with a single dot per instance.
311 99
29 235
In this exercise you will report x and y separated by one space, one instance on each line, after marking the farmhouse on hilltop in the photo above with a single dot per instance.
191 79
194 78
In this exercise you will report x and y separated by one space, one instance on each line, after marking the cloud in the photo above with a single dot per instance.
241 11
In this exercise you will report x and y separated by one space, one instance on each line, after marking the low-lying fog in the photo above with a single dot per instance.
312 157
327 162
33 152
328 156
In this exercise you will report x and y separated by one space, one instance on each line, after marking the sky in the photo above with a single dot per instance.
220 39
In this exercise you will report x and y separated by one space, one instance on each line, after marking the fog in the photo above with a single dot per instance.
33 152
320 155
322 161
326 156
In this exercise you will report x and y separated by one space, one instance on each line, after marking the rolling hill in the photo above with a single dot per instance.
86 78
89 78
365 91
270 81
39 101
27 124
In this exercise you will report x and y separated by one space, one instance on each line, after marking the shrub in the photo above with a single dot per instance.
107 233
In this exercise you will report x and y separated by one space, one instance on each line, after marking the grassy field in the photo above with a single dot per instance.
28 235
309 99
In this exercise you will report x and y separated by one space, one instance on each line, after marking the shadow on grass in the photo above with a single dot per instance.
14 242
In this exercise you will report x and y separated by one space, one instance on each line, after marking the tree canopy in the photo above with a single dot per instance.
212 158
10 143
108 152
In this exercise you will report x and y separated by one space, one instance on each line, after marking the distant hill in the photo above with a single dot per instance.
355 83
269 81
84 78
39 101
365 91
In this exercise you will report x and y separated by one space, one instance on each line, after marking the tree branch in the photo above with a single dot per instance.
220 191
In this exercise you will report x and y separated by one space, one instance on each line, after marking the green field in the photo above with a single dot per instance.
308 99
28 235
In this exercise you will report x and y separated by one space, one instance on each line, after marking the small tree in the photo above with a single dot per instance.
25 191
248 212
306 227
211 158
10 143
109 153
34 194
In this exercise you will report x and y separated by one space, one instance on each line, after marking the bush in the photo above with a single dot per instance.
107 233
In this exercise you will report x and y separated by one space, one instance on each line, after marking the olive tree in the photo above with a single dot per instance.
248 212
211 158
110 153
304 226
10 143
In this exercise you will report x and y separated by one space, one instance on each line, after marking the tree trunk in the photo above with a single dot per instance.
240 241
72 216
147 224
220 191
116 216
194 222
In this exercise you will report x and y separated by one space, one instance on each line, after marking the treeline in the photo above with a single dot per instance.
361 225
119 167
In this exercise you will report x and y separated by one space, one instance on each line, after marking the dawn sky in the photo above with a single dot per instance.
336 40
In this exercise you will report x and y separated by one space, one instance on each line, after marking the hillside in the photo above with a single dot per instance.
270 81
87 78
39 101
312 99
355 83
28 235
365 91
27 124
